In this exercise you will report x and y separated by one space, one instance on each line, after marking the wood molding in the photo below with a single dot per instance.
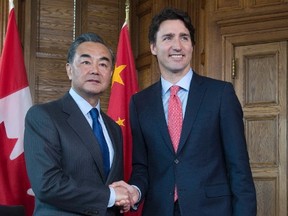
266 22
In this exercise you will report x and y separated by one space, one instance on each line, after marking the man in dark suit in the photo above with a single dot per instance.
207 172
63 156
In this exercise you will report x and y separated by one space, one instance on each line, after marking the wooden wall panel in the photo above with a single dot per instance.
267 196
261 3
106 19
144 47
141 16
261 78
55 26
228 4
52 80
263 148
54 34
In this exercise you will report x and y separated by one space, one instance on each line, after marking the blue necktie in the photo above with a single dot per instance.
98 132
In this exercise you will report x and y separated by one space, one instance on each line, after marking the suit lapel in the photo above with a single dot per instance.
195 97
157 112
81 127
116 149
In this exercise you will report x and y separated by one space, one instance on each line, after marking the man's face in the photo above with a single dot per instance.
173 47
91 70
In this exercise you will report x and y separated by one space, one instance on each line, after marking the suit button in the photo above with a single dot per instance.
90 212
176 161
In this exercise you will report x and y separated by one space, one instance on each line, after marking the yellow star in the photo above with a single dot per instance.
116 76
120 121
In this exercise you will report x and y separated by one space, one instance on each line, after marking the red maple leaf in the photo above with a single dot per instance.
13 177
6 144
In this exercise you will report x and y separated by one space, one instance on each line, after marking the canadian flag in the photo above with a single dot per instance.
15 100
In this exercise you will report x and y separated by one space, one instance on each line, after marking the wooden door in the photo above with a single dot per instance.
260 81
246 43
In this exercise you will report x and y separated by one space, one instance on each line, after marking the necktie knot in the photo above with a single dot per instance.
94 113
174 90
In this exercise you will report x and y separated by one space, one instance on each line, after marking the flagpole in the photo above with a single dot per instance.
127 4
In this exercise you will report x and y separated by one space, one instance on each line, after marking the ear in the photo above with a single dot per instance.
153 48
69 71
112 71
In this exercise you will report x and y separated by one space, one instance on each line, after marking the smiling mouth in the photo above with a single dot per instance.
176 56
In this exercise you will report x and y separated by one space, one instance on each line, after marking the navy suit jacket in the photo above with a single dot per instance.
211 167
64 161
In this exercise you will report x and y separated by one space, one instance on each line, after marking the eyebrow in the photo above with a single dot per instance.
173 34
168 34
185 34
104 58
85 56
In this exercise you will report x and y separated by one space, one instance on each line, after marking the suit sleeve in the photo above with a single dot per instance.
236 155
50 182
139 175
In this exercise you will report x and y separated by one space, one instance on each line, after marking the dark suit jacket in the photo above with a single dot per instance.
64 161
211 167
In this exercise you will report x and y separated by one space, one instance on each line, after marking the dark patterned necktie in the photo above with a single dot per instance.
98 132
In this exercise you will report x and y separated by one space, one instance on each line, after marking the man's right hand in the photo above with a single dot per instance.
122 190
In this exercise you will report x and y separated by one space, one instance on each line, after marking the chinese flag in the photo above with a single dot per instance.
15 100
124 85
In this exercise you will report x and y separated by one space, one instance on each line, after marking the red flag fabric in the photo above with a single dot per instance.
124 85
15 100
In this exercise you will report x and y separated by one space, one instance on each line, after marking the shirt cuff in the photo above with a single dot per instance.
112 198
135 206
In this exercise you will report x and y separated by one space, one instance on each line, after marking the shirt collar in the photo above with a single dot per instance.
184 82
84 106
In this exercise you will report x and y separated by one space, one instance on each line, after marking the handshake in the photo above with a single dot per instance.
126 195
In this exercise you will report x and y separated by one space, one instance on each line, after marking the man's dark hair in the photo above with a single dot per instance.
87 37
170 14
